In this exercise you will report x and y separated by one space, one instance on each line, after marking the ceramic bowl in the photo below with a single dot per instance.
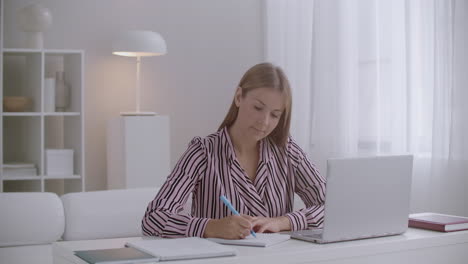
16 103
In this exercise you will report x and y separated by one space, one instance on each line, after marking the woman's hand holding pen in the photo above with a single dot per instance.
231 227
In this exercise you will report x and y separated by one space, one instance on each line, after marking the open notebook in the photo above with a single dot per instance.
262 240
182 248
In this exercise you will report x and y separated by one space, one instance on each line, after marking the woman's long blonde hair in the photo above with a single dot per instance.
265 75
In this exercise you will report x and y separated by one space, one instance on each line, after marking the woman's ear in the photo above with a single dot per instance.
238 96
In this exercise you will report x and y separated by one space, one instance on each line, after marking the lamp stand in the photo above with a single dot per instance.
137 97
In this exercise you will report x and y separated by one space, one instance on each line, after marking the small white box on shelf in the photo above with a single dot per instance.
59 162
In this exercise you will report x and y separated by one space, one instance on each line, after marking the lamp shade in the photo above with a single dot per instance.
139 43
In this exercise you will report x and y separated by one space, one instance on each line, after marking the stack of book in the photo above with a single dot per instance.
19 169
438 222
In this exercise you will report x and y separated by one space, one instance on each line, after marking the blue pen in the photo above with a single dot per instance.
234 211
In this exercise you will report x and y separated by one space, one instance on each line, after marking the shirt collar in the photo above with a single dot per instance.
230 154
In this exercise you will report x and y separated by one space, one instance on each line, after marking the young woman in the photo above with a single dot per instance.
252 161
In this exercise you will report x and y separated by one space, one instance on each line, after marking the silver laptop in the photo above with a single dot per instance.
365 197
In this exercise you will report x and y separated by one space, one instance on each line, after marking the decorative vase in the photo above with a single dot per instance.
34 19
62 92
49 95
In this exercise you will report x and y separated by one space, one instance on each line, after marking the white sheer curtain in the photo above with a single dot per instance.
449 162
378 77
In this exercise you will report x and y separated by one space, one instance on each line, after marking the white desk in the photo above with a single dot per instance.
415 246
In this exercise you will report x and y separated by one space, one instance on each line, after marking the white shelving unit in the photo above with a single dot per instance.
26 135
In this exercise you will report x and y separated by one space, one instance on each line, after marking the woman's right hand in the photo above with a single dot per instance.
231 227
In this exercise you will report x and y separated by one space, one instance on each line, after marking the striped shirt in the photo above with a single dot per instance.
209 168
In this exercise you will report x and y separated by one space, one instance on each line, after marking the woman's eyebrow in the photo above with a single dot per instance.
276 110
260 101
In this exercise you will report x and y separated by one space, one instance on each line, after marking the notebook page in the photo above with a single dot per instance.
262 240
182 248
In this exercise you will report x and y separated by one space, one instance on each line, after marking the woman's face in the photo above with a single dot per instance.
259 111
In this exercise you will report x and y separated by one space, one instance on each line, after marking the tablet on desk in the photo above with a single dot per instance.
115 256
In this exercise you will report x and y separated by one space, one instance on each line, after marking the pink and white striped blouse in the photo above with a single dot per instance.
209 168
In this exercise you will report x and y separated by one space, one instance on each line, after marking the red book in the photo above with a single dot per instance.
438 222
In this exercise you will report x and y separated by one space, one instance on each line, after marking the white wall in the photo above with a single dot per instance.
210 44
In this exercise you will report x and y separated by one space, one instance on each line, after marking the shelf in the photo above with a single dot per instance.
61 52
21 114
37 178
70 63
22 140
25 136
22 77
59 177
62 114
50 51
20 51
22 178
39 114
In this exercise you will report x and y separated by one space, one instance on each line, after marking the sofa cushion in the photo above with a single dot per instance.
30 218
105 214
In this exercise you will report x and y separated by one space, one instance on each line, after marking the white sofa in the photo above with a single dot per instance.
31 222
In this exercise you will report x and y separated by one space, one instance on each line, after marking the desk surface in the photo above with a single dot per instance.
414 245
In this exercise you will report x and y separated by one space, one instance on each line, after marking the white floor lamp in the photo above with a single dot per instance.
139 43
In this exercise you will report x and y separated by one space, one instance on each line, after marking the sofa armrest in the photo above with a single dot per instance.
30 218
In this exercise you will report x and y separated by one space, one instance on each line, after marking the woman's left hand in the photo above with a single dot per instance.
271 225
